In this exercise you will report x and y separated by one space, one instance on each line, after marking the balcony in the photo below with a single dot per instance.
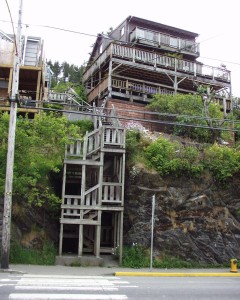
166 42
158 63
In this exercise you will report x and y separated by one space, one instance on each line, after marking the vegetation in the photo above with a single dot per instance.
67 76
136 256
172 158
196 112
39 153
45 256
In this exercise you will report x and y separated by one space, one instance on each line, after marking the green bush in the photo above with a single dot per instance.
172 158
21 255
135 256
160 153
222 162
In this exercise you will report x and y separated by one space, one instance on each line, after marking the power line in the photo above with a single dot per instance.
94 35
10 14
90 108
135 119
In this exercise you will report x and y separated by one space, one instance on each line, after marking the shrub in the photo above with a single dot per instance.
135 256
21 255
222 162
170 157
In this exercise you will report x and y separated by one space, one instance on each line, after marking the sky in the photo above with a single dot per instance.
216 22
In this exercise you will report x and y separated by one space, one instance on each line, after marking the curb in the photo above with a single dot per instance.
156 274
11 271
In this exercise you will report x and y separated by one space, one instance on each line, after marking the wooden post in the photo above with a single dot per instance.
61 239
6 230
120 238
98 236
80 240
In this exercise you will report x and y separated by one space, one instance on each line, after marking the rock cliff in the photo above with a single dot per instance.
196 220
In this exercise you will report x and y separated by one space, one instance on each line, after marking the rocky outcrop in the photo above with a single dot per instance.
196 220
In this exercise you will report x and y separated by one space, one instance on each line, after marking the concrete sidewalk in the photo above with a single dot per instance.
117 271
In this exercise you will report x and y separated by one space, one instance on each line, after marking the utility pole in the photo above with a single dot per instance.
6 230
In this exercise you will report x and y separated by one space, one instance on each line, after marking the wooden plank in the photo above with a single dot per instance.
79 221
82 162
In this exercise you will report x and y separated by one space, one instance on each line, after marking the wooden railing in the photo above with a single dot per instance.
140 87
91 196
159 61
160 39
113 136
111 192
72 204
70 207
93 142
74 149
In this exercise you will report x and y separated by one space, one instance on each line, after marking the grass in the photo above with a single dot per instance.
20 255
136 256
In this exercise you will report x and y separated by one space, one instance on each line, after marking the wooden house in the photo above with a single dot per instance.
33 75
141 58
126 68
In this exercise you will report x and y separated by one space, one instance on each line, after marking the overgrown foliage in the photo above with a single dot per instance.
222 162
175 158
135 144
172 158
136 256
192 111
39 152
21 255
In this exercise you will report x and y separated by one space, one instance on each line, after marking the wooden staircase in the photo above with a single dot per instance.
93 184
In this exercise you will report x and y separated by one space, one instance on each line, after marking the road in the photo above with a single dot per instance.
63 287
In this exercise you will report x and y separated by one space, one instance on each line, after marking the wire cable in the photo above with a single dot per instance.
10 14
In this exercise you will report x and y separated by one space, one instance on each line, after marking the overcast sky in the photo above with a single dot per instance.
216 22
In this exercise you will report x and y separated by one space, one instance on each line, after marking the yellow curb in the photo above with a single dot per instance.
152 274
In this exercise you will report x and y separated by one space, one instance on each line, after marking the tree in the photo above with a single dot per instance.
196 110
39 152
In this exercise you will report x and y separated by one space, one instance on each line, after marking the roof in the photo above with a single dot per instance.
160 25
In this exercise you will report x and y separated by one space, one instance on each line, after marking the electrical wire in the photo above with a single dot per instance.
92 35
133 119
10 14
201 118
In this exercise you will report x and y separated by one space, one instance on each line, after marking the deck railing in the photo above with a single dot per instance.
159 61
179 65
160 39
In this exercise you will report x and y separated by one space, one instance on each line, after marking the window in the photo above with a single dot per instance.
100 49
122 31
